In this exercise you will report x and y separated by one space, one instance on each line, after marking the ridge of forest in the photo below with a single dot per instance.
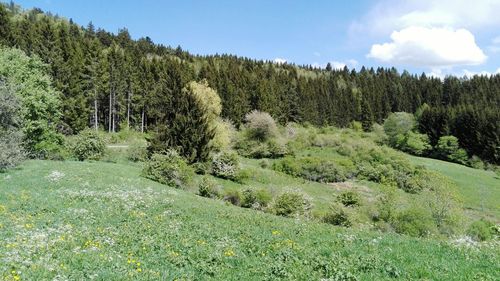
111 81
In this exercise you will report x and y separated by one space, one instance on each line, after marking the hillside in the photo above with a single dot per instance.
74 220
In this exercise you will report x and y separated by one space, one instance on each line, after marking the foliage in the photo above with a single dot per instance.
88 145
448 149
481 230
40 102
260 126
11 152
416 144
397 125
311 168
349 198
137 151
225 165
414 221
188 129
337 216
291 203
233 197
209 188
255 198
168 168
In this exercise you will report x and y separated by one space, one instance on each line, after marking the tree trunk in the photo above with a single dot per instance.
96 126
142 120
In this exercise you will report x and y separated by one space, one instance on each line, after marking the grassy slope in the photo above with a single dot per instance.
480 190
102 220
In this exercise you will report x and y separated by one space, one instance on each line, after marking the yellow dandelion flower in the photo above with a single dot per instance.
229 253
276 232
139 270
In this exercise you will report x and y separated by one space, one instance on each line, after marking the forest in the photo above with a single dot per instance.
110 81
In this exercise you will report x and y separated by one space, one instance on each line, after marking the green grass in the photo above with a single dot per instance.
479 189
74 220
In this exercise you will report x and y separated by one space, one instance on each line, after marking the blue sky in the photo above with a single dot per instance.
437 37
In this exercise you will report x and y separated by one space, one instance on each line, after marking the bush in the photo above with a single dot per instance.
448 149
255 198
233 197
397 125
416 144
11 151
169 168
291 203
311 168
481 230
264 163
337 216
88 145
260 125
225 165
201 168
349 198
209 188
137 152
414 221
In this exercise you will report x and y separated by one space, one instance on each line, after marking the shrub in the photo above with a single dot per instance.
349 198
11 151
356 126
417 144
311 168
225 165
481 230
242 175
209 188
255 198
337 216
233 197
397 125
414 221
448 149
260 125
476 162
200 168
264 163
169 168
137 152
291 203
224 135
88 145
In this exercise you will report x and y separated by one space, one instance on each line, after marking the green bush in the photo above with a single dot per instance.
290 203
169 168
414 221
233 197
225 165
397 125
209 188
255 198
337 216
11 151
260 126
416 144
312 168
264 163
448 149
88 145
137 152
481 230
201 168
349 198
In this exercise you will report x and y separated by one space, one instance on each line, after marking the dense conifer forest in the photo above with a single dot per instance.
111 81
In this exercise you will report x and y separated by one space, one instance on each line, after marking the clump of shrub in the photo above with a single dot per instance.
311 168
88 145
201 168
233 197
137 152
11 151
255 198
291 203
448 149
349 198
337 215
168 168
264 163
482 230
225 165
209 188
414 221
260 125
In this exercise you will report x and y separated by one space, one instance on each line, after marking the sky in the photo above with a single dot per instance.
441 37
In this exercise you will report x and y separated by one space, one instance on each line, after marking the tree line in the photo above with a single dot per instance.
110 81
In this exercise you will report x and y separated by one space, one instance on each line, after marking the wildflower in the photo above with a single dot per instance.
276 232
229 253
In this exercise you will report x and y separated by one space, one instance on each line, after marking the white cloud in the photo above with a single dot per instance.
429 47
389 15
279 60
